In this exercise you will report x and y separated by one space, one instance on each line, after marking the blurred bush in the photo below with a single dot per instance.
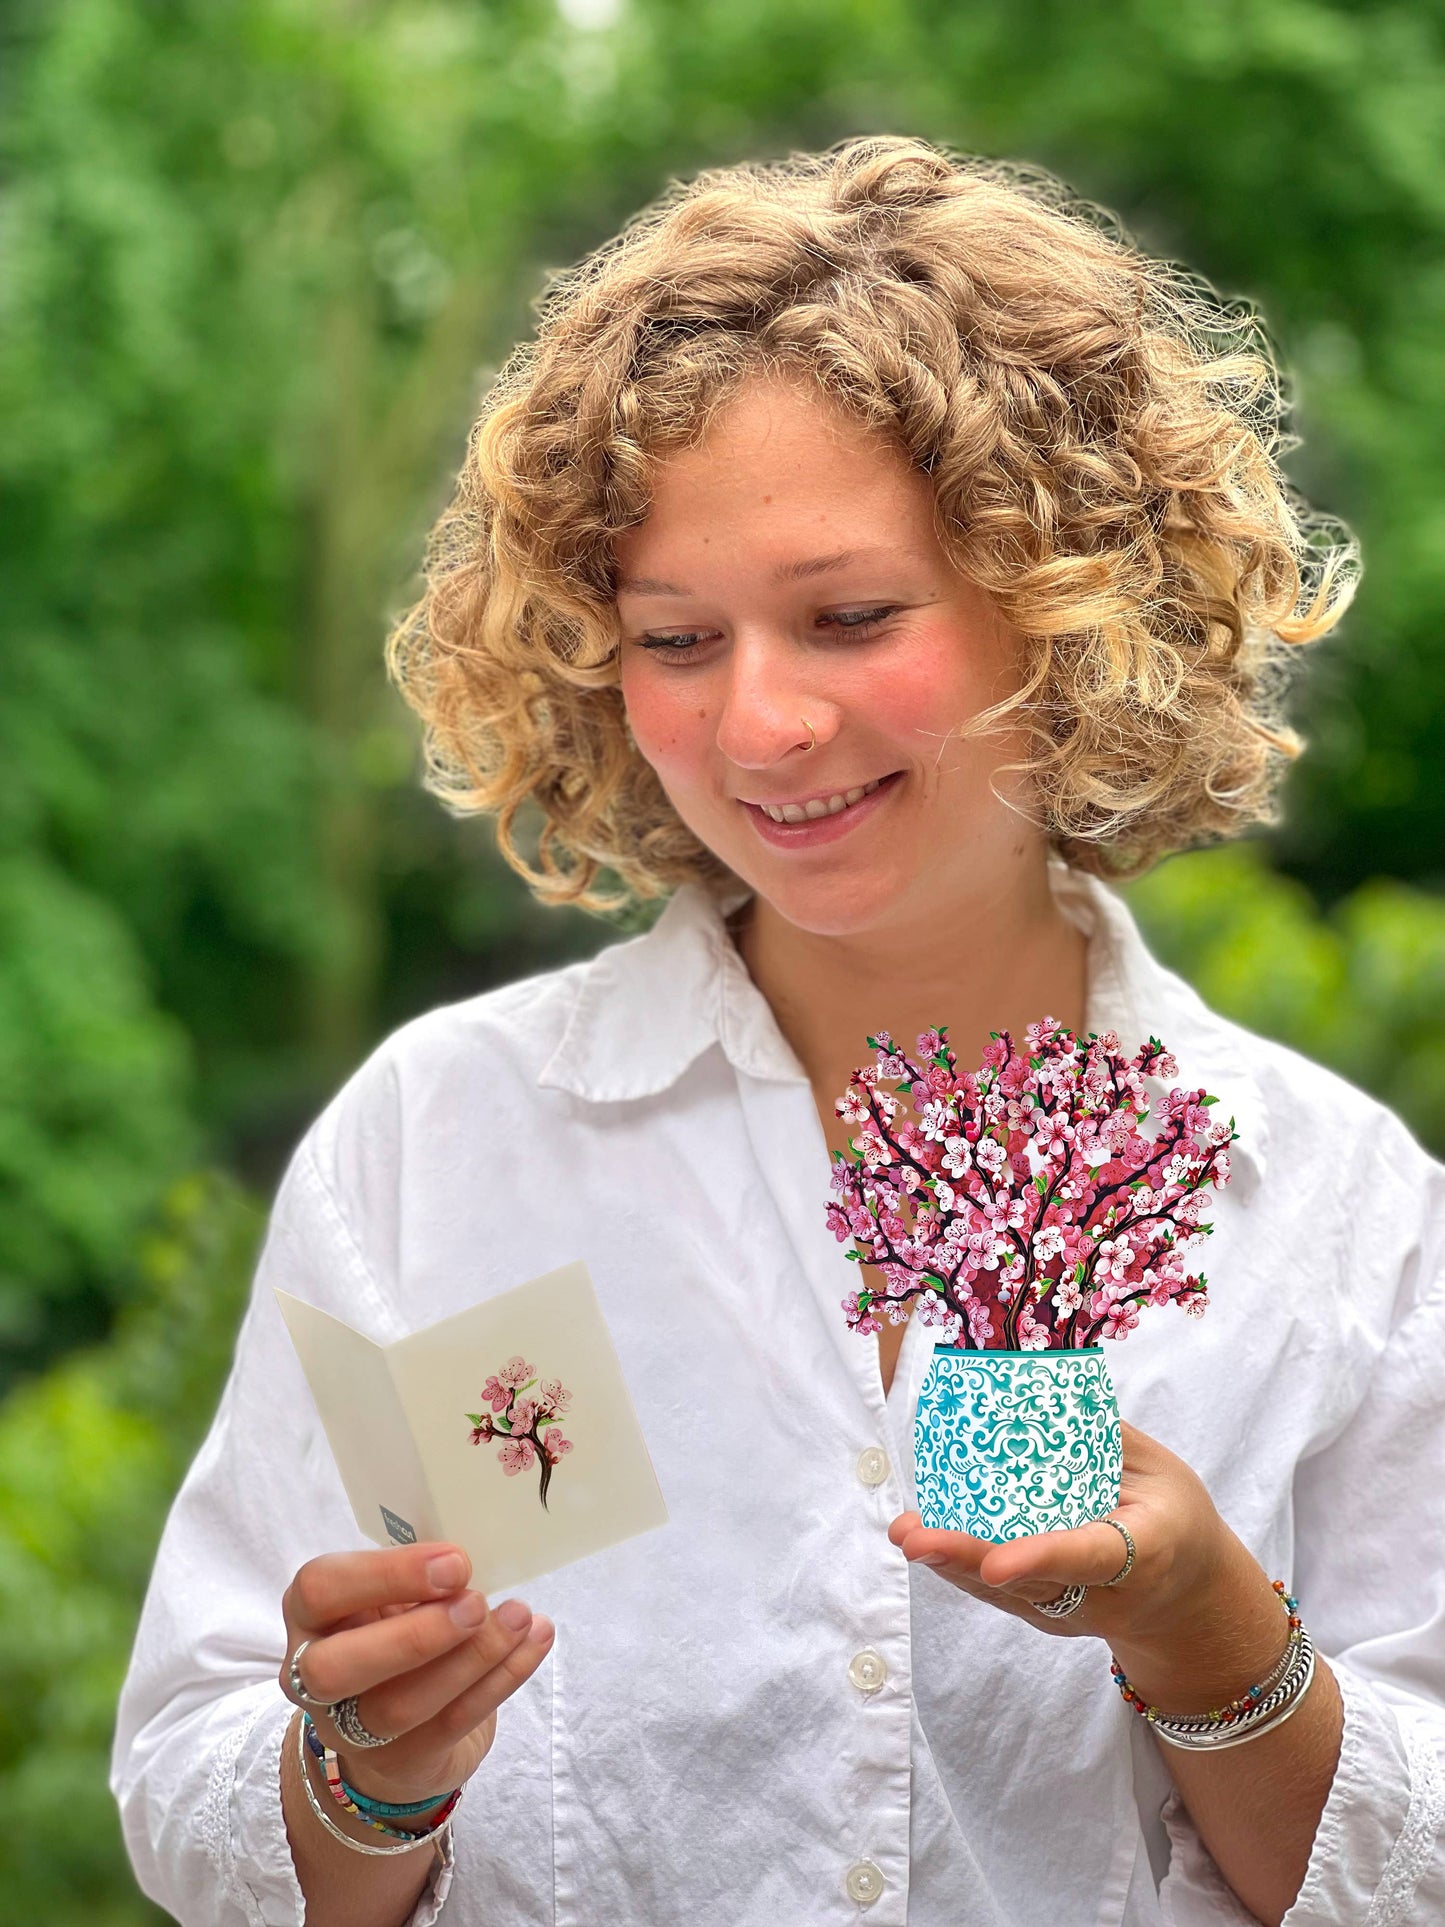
94 1101
1361 988
90 1455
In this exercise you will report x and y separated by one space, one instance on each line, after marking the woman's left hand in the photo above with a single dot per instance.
1187 1561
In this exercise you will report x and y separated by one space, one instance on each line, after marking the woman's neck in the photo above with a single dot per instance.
978 967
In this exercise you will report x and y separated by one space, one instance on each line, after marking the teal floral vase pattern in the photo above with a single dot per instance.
1010 1443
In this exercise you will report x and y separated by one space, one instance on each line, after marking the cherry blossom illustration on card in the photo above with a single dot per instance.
523 1428
534 1369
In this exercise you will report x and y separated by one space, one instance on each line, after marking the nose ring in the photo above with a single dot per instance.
812 732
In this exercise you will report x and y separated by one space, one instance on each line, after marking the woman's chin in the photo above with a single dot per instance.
841 906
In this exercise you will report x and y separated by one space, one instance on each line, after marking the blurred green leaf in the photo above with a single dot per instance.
1360 988
90 1455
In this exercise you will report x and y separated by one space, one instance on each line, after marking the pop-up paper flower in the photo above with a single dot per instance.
1025 1207
517 1424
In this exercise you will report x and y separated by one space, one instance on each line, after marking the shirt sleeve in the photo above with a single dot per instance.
196 1761
1370 1577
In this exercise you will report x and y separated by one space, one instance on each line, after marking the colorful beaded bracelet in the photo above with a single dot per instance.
346 1799
1236 1709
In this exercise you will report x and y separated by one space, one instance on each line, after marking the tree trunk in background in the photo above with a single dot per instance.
380 454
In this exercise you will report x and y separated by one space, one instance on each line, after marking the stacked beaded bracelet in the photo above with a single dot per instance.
1265 1705
350 1802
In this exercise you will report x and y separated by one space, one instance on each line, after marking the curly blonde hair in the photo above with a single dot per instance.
1102 433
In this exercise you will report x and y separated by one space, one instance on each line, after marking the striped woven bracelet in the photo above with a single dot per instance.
393 1809
349 1802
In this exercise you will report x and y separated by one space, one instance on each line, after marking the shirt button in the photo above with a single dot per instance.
873 1467
867 1671
864 1882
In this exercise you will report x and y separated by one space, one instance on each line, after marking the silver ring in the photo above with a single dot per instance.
1128 1565
1068 1601
293 1680
347 1721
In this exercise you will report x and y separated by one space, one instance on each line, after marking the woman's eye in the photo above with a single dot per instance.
690 640
680 645
855 619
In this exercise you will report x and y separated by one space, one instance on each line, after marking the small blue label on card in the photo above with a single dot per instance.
398 1529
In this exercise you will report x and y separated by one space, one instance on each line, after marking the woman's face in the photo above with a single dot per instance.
788 574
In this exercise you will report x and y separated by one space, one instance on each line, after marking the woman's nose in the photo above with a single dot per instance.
767 711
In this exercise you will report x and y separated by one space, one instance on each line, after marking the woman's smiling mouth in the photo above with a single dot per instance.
822 817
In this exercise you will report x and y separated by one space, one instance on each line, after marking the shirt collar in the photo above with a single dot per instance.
648 1006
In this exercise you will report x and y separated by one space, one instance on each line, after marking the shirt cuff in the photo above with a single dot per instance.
1382 1821
1380 1827
246 1783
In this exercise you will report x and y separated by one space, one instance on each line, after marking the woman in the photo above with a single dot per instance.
872 552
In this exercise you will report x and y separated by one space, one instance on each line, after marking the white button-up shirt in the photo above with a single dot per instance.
759 1713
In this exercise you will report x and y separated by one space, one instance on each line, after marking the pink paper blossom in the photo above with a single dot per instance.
1033 1336
516 1371
1025 1203
1121 1318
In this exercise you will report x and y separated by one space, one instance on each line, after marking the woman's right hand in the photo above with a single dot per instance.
425 1659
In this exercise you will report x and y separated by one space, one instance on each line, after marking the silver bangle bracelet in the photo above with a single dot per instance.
1292 1659
339 1833
1272 1711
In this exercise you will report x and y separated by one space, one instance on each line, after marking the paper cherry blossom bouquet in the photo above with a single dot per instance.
1026 1213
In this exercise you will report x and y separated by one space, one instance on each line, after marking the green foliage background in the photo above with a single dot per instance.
256 260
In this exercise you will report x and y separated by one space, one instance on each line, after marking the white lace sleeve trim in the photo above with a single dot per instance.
1424 1825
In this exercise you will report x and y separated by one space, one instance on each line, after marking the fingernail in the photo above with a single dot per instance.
932 1559
542 1629
514 1615
447 1570
469 1610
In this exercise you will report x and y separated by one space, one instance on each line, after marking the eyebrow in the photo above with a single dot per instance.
785 572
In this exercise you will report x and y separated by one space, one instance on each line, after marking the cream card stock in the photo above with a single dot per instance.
400 1422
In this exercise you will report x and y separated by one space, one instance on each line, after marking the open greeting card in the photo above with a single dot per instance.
507 1429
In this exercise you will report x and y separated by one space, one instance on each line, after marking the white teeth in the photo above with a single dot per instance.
809 812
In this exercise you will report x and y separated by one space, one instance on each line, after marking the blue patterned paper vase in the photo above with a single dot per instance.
1010 1443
